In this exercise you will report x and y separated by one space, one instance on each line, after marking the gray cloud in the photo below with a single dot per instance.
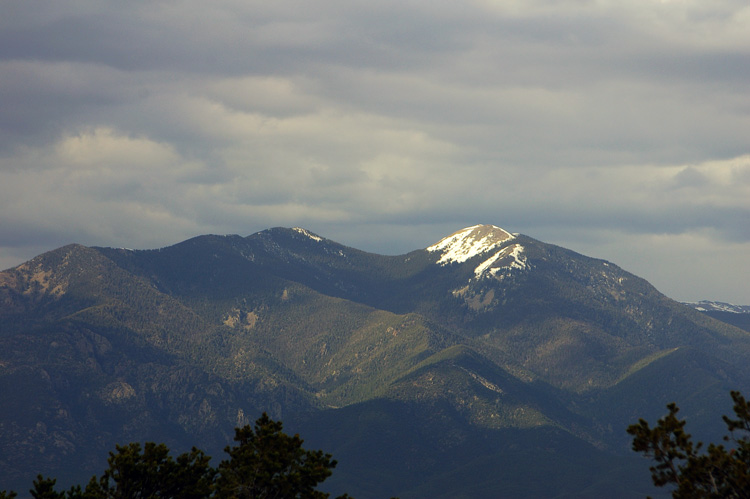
619 130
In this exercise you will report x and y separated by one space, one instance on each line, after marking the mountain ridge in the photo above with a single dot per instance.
482 333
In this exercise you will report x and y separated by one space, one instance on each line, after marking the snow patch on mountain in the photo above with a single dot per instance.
486 264
307 233
513 252
470 242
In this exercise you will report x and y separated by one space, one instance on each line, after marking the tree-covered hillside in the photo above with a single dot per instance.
485 351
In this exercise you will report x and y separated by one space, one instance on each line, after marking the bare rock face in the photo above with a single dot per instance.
117 392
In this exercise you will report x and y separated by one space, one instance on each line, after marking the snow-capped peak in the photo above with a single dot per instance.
307 233
469 242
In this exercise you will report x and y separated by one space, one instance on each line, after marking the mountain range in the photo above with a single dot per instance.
489 364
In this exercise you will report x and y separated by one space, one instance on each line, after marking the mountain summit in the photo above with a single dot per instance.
470 242
480 366
480 240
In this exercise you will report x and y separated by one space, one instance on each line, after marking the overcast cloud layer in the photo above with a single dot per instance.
618 129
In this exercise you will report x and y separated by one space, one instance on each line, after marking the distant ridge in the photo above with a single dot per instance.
736 315
718 306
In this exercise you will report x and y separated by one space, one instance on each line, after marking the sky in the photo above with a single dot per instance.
620 130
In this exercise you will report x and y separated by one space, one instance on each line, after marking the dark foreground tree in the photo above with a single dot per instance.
44 488
268 463
133 473
719 472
